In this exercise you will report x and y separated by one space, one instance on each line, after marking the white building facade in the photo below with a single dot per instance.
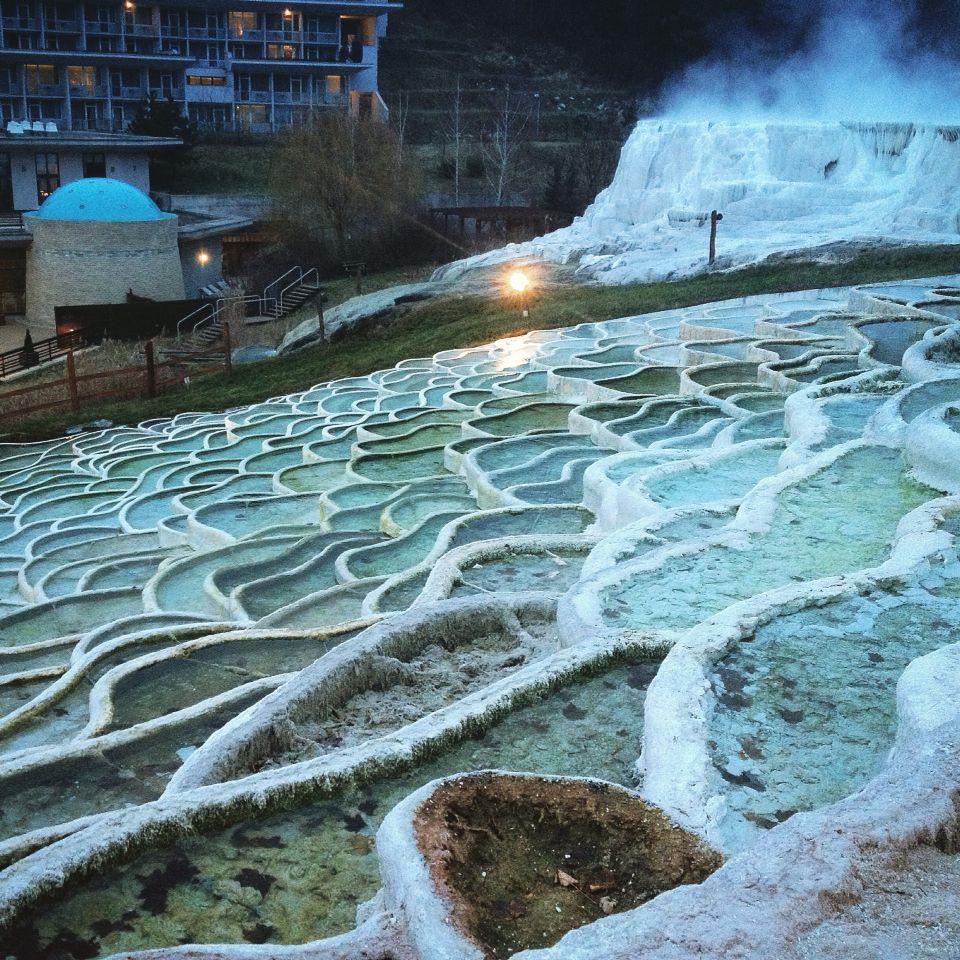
252 65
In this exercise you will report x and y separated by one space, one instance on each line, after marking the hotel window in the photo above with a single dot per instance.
249 114
39 74
48 175
94 165
240 23
207 81
321 26
281 51
82 78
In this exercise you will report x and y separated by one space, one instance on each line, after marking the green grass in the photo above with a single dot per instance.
222 168
343 288
453 322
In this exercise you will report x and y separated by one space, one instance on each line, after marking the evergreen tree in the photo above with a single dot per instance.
28 355
162 118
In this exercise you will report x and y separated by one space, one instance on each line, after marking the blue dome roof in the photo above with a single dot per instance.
99 198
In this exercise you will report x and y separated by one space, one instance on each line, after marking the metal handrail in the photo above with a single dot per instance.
224 302
218 307
189 316
283 276
264 300
298 283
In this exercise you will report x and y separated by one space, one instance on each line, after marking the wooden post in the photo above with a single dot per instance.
321 329
715 218
72 383
359 279
151 369
227 358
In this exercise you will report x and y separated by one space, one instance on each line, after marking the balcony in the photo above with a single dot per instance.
128 93
21 23
175 93
253 96
192 33
98 27
96 125
248 36
142 30
206 33
62 26
81 91
45 90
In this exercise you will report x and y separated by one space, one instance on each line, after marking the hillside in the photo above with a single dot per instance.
429 46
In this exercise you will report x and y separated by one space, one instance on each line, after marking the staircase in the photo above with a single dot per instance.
291 290
204 327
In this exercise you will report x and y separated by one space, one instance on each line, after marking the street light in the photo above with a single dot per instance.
518 282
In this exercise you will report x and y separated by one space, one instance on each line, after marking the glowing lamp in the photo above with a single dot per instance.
203 258
518 281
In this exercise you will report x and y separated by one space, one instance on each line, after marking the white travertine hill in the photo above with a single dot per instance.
780 186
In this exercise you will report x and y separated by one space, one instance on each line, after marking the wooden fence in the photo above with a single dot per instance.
149 379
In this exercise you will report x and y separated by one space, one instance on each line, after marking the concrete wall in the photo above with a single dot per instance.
195 273
76 262
132 168
217 205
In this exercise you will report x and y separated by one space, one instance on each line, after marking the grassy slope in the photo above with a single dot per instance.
461 322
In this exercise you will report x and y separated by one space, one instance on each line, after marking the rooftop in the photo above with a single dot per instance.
86 139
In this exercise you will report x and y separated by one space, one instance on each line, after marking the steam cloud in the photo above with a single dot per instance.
859 62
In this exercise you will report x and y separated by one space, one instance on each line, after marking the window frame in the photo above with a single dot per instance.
48 179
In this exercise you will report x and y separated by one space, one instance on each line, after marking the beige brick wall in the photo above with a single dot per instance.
77 262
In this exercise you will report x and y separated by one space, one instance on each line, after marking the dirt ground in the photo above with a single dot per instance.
524 859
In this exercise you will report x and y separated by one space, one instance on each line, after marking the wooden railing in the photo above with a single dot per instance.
149 379
13 361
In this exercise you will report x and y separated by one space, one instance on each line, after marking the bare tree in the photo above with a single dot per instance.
343 178
505 142
454 135
400 117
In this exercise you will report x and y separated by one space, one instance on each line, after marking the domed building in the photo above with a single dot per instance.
95 241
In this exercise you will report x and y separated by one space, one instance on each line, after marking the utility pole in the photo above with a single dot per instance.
715 218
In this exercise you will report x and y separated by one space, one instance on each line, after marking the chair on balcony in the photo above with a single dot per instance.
14 127
50 127
37 126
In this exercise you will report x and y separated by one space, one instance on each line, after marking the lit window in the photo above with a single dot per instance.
240 23
48 174
82 78
39 74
